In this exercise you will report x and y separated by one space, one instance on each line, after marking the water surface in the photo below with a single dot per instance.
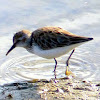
81 17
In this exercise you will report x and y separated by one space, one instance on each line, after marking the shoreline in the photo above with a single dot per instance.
59 89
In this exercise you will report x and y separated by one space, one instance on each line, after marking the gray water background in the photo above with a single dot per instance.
81 17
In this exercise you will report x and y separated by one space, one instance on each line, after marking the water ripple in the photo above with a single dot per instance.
30 67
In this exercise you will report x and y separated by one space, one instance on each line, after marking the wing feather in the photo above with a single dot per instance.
52 37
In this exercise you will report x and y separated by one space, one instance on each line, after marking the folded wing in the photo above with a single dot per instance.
52 38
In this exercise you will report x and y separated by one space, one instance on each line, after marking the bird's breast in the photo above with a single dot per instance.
53 53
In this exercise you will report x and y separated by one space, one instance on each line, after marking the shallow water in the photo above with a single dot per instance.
79 17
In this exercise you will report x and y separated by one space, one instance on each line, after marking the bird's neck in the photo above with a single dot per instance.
29 45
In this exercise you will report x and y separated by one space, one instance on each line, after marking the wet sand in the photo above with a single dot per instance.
59 89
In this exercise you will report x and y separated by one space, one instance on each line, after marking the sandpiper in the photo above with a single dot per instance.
48 42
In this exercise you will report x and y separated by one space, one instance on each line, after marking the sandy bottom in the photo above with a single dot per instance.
59 89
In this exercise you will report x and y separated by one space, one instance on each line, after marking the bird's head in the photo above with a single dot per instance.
19 39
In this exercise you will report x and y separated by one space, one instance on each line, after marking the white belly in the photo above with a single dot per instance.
53 53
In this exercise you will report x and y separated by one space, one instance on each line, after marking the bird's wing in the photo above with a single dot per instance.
50 38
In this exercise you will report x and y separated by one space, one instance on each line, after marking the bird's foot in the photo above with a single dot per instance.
55 74
68 72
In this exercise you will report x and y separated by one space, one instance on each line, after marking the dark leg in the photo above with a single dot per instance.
55 67
67 62
67 72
